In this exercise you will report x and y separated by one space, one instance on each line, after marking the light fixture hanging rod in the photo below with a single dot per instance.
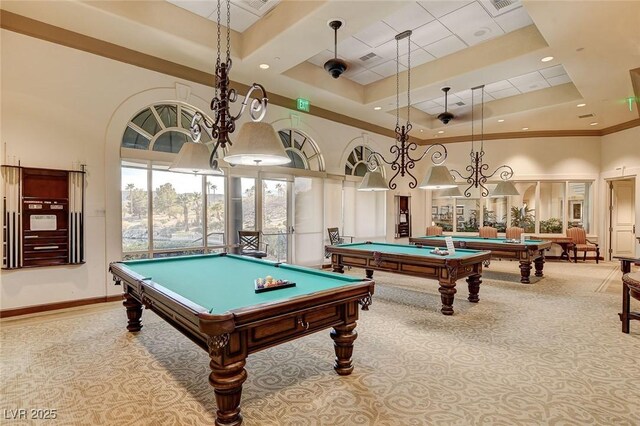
404 35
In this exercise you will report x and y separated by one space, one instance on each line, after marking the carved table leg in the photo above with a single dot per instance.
626 308
539 264
338 268
525 272
227 383
343 337
474 282
134 312
447 292
369 273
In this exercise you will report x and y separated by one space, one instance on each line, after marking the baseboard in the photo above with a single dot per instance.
571 258
58 305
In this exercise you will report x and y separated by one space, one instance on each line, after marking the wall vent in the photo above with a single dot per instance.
368 56
586 116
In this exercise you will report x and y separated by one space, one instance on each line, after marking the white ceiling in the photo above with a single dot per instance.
439 28
460 44
244 13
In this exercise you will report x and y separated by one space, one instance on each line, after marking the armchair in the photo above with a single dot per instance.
336 238
250 244
513 233
433 230
488 232
581 243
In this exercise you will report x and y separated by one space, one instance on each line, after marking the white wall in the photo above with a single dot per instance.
61 106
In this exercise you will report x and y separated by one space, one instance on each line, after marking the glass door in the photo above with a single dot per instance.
276 223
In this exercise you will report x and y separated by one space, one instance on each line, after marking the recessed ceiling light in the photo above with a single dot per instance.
581 105
593 124
501 120
547 59
441 131
525 128
264 66
421 130
378 108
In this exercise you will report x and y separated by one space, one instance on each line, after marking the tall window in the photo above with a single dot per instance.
302 151
166 213
362 204
551 207
543 206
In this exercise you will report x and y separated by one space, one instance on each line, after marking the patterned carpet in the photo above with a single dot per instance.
546 353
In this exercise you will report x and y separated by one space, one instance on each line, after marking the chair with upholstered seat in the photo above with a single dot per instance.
488 232
251 244
433 230
513 233
580 242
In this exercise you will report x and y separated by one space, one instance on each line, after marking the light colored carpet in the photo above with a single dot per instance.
546 353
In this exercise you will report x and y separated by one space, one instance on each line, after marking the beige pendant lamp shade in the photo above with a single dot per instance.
438 177
373 181
257 144
505 188
194 158
450 193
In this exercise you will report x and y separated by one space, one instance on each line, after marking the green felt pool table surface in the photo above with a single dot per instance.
221 283
408 249
483 240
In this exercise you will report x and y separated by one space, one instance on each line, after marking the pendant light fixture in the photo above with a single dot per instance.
476 177
257 143
438 177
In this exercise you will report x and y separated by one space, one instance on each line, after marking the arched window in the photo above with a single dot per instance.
302 150
158 129
356 164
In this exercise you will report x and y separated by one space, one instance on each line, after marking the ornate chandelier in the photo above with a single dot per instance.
402 163
476 177
257 143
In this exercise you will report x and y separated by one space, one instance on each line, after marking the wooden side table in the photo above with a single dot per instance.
630 288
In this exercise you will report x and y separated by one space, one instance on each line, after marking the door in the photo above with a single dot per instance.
622 218
308 240
276 220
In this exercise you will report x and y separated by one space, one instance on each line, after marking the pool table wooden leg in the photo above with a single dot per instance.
626 307
447 291
227 383
134 312
343 337
369 273
474 282
539 264
525 271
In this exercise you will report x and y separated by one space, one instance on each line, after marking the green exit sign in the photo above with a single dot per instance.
303 105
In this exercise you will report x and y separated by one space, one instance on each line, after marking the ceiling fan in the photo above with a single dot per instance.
462 113
445 116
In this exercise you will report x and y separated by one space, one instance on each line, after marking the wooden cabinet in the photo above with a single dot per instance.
43 217
403 216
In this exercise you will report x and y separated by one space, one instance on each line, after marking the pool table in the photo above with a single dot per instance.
527 252
212 300
417 261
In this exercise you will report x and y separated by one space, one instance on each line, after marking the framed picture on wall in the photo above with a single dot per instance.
459 210
575 210
434 211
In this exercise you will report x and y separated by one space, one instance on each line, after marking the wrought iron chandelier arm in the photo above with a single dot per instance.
258 106
505 172
438 156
